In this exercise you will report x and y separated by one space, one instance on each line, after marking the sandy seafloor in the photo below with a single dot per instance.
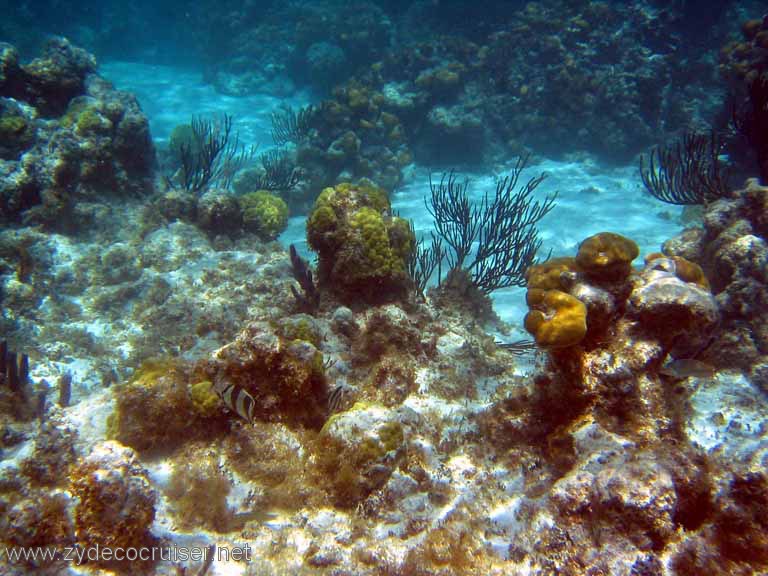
592 198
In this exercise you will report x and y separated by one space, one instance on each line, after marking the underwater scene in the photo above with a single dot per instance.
384 288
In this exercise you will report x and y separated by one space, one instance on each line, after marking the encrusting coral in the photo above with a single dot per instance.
116 502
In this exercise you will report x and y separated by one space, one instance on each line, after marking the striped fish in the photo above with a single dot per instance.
236 399
338 398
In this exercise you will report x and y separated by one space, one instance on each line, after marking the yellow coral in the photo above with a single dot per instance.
607 255
375 243
264 213
686 270
556 319
548 275
204 398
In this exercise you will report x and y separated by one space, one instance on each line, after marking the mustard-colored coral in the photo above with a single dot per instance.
264 214
686 270
549 275
556 319
363 250
607 255
204 398
374 240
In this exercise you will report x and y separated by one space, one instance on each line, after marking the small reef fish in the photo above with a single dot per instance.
686 367
237 400
338 397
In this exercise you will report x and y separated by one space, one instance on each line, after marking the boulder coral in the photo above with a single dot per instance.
362 248
264 214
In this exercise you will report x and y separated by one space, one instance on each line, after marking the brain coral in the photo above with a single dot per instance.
607 255
556 319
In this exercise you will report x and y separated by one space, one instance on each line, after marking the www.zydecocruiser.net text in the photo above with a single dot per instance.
79 555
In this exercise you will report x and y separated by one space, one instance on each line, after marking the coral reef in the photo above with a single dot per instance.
362 249
731 249
95 144
285 377
376 432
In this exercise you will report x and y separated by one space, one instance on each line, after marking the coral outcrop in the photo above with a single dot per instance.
285 377
116 504
362 248
732 249
71 137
